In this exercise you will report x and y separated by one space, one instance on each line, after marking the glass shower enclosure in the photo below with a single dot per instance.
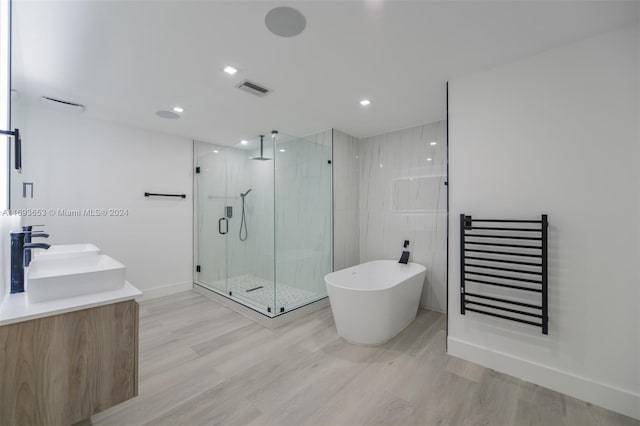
263 231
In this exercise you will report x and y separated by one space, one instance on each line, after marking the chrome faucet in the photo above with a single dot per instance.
19 260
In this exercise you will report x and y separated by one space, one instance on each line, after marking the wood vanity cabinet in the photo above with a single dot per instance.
61 369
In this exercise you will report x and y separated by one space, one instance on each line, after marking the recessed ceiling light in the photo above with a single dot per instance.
230 70
243 142
178 109
215 151
365 102
433 143
380 165
429 159
283 150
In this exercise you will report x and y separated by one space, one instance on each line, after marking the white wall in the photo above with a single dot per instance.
79 163
557 133
403 196
5 99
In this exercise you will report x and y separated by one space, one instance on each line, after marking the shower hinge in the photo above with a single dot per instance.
197 268
197 169
268 308
282 309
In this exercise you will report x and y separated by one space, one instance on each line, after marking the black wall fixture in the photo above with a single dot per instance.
151 194
508 254
17 156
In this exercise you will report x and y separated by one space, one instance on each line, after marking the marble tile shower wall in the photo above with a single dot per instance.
403 197
259 204
346 170
303 212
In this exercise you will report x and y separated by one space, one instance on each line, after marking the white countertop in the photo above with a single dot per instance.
16 307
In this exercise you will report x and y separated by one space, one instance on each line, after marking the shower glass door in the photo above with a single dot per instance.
250 243
303 201
236 248
212 198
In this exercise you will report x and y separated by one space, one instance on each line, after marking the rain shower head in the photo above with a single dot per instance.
245 194
261 157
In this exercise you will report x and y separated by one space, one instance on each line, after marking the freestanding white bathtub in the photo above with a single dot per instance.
374 301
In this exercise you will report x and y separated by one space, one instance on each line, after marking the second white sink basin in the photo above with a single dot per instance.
65 251
73 276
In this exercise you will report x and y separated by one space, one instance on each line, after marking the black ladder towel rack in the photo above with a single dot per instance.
507 254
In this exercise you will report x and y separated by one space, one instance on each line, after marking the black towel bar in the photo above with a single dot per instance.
517 287
516 262
507 237
503 220
151 194
523 280
502 308
506 253
471 242
491 228
502 245
497 268
513 302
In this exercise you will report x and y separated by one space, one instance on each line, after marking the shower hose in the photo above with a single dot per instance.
243 224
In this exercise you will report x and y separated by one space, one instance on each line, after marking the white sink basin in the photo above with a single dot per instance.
65 251
73 276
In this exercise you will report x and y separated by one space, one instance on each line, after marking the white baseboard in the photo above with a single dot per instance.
433 308
166 290
603 395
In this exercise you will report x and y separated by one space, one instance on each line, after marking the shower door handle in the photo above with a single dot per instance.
226 228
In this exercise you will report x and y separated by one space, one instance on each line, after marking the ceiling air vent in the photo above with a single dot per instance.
253 88
62 105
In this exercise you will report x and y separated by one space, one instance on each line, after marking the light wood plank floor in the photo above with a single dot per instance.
203 364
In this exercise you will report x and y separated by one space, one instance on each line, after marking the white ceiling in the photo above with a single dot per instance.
125 60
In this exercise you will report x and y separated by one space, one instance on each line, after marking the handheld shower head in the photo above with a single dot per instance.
244 232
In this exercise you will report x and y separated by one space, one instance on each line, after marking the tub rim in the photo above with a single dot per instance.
327 282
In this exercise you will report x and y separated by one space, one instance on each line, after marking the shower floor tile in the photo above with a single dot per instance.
287 296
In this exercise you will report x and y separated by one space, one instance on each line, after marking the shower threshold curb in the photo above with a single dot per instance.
257 316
